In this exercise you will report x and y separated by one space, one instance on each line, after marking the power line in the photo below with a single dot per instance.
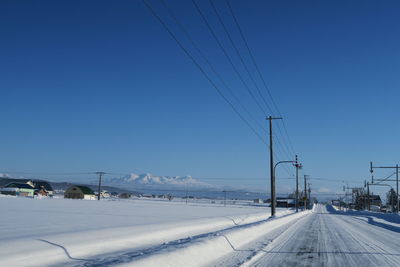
247 70
199 66
386 178
227 55
286 152
202 55
57 173
258 71
45 173
202 70
238 54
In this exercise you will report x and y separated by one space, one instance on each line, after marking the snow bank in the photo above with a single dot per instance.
210 248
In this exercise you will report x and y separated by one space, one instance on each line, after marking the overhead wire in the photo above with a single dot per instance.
245 67
386 178
203 71
203 56
244 64
227 55
238 53
259 72
208 25
197 64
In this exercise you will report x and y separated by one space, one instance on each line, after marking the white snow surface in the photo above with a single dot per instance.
51 231
326 237
62 232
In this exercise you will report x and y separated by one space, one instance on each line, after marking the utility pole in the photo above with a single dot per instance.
305 191
186 189
271 165
99 188
298 166
397 187
368 202
365 200
224 198
309 194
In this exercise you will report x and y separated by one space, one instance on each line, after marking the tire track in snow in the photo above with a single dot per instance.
274 244
128 256
326 239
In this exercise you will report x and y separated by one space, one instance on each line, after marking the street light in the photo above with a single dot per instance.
273 197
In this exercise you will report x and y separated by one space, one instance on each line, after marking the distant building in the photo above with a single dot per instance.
22 187
79 192
105 194
372 201
125 195
18 189
114 194
41 187
285 203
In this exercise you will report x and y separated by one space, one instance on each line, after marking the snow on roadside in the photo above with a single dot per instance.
208 249
39 232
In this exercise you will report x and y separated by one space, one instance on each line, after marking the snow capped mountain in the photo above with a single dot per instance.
148 180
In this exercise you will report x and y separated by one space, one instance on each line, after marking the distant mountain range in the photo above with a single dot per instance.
148 181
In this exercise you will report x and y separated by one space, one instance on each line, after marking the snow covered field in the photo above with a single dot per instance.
38 232
54 232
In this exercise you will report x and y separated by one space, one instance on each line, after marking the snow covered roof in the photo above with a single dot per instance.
19 185
42 184
85 190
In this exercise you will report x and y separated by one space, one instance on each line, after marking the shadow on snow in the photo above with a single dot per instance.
371 217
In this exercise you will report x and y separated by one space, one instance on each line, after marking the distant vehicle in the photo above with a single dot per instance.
375 208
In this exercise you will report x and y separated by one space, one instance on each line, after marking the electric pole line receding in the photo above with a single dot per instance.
100 174
271 162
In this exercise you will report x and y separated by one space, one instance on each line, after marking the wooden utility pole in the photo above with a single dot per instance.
368 198
305 192
298 166
224 197
271 165
99 188
397 187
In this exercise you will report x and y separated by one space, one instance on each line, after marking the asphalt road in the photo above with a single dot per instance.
330 238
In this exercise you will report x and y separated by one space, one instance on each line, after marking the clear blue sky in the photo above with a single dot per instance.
100 85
